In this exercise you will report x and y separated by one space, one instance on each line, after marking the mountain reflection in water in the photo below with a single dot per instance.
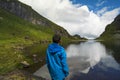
89 61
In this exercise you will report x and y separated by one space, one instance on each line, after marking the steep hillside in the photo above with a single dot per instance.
15 34
20 26
112 31
27 13
13 27
111 38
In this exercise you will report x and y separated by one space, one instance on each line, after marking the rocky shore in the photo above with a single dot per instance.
19 75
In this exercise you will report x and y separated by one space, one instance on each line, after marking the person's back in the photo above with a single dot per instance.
56 60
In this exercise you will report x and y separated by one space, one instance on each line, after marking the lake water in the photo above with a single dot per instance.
90 60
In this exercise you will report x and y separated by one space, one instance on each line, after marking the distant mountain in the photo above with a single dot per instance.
112 31
27 13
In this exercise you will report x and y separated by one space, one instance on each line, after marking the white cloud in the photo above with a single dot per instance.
28 2
76 19
102 11
100 3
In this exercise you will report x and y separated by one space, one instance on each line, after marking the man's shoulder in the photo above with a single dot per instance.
61 47
56 46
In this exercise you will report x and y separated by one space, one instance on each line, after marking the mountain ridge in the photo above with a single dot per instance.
27 13
112 30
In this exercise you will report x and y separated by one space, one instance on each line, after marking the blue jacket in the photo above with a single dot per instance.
57 62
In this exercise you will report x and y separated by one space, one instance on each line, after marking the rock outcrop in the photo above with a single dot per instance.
23 11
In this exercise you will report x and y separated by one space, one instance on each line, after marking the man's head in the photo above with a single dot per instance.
56 38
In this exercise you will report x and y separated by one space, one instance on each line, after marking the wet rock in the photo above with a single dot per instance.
1 18
18 48
25 64
35 58
34 55
1 77
27 37
44 41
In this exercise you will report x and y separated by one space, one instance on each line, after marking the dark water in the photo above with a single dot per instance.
91 60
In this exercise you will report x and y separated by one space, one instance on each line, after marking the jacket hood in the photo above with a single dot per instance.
54 48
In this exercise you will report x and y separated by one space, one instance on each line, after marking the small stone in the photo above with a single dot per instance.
34 55
1 18
25 64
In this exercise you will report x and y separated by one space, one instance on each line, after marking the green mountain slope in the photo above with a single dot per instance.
111 38
112 31
15 34
20 26
12 27
27 13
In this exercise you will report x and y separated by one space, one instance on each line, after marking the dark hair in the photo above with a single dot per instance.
56 38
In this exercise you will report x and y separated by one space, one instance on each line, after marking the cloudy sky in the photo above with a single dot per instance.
88 18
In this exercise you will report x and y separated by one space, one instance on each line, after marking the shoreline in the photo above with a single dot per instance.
20 75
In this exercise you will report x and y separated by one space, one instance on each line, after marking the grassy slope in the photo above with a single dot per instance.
13 31
109 32
112 31
111 38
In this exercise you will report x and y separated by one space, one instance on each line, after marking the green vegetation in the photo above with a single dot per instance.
111 38
15 35
112 31
18 36
109 32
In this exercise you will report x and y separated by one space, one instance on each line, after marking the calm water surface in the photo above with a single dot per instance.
90 60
